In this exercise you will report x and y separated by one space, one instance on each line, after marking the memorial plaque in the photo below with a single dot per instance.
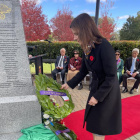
19 107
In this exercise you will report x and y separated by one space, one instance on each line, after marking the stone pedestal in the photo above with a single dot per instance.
19 107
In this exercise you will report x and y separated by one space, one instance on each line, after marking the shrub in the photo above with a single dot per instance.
52 50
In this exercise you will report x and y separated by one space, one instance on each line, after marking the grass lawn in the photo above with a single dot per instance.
46 68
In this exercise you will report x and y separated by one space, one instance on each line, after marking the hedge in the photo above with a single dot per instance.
52 50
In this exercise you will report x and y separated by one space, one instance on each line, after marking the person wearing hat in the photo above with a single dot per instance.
132 69
74 67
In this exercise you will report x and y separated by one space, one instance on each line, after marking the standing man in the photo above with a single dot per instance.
61 65
132 69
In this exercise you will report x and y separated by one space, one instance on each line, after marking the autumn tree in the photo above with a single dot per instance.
106 25
34 22
60 25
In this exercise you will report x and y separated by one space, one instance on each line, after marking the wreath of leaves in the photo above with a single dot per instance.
43 82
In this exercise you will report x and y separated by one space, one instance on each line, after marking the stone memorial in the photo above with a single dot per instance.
19 107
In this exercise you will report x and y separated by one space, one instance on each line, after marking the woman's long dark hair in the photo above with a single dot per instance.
87 30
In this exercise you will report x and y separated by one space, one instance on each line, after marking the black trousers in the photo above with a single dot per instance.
125 76
55 71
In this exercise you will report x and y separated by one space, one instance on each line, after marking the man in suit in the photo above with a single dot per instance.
132 69
61 65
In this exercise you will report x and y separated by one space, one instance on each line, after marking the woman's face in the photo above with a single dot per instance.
76 36
76 55
117 55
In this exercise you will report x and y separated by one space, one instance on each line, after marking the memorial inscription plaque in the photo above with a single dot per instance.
19 107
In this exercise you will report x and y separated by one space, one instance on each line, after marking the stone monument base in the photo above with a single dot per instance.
17 113
11 136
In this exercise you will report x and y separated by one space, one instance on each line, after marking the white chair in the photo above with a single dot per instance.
132 78
85 78
61 77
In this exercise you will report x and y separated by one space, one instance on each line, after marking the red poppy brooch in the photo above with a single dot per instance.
91 58
137 59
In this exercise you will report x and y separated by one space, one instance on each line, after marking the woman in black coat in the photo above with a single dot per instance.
103 109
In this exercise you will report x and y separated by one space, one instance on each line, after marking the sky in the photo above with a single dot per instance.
120 11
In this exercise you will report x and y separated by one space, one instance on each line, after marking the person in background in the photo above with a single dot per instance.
120 64
103 108
74 67
132 69
61 65
30 56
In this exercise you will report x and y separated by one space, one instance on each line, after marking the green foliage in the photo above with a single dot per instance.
43 82
131 29
52 50
125 47
61 136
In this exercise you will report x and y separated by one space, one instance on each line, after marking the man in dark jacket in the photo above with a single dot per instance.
61 65
132 69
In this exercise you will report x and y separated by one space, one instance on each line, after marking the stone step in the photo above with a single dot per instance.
10 136
19 112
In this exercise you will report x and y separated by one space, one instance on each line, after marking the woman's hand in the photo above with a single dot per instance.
64 86
92 101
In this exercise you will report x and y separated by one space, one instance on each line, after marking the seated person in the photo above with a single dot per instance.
74 66
120 64
132 69
61 65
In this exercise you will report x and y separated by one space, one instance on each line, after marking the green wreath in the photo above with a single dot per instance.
53 113
43 82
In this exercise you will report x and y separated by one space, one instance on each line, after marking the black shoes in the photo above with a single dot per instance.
125 90
80 87
131 91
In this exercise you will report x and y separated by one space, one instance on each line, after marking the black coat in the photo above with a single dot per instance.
128 64
105 118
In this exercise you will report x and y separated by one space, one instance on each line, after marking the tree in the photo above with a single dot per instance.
60 25
131 29
106 28
34 22
116 36
106 23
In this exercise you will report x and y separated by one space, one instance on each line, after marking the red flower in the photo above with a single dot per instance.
61 122
137 59
91 58
77 138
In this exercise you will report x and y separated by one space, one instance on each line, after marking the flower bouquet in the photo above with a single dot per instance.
53 114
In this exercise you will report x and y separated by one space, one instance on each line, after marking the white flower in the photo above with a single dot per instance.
47 122
47 127
46 116
51 119
53 100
